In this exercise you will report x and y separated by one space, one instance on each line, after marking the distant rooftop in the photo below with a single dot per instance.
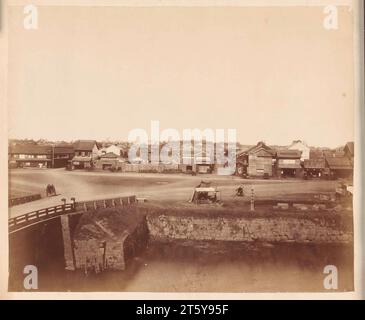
86 145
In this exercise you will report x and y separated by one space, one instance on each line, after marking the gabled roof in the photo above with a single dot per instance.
350 147
86 145
338 163
289 154
261 148
30 149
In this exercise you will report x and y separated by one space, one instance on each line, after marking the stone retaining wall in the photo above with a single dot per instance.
248 229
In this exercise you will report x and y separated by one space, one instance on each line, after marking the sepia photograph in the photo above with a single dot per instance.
181 147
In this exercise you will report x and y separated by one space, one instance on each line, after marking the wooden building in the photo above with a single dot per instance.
110 161
197 159
349 151
314 168
256 161
30 155
242 163
339 167
86 152
62 155
288 163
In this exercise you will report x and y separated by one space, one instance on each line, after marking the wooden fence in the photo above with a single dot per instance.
151 168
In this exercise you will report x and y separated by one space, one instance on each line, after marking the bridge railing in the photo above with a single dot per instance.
105 203
51 212
38 215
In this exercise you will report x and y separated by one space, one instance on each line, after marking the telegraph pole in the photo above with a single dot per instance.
252 200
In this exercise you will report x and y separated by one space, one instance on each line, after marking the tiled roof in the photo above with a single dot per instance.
289 154
338 163
63 148
316 154
85 145
30 149
318 163
260 146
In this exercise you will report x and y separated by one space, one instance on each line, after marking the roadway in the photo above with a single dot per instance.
84 185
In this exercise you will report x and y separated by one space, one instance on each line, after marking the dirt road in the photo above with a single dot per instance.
85 185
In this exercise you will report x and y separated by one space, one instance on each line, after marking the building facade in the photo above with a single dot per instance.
86 152
314 168
339 167
30 155
288 164
62 155
260 160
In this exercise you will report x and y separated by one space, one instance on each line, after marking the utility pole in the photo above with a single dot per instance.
52 155
252 200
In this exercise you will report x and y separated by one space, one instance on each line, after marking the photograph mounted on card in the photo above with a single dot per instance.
182 147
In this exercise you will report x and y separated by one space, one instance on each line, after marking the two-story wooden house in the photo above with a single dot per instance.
86 152
256 161
30 155
288 163
62 155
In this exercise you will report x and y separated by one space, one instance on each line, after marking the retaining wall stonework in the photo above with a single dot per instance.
248 229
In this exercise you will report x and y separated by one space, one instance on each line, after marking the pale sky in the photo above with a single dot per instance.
273 74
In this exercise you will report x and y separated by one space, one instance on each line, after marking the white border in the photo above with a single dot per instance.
359 219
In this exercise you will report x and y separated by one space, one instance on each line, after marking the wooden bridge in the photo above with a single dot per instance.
45 214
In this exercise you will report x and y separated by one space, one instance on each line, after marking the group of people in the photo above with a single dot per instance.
50 190
240 192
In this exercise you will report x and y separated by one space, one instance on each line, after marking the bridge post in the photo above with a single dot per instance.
67 243
73 199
